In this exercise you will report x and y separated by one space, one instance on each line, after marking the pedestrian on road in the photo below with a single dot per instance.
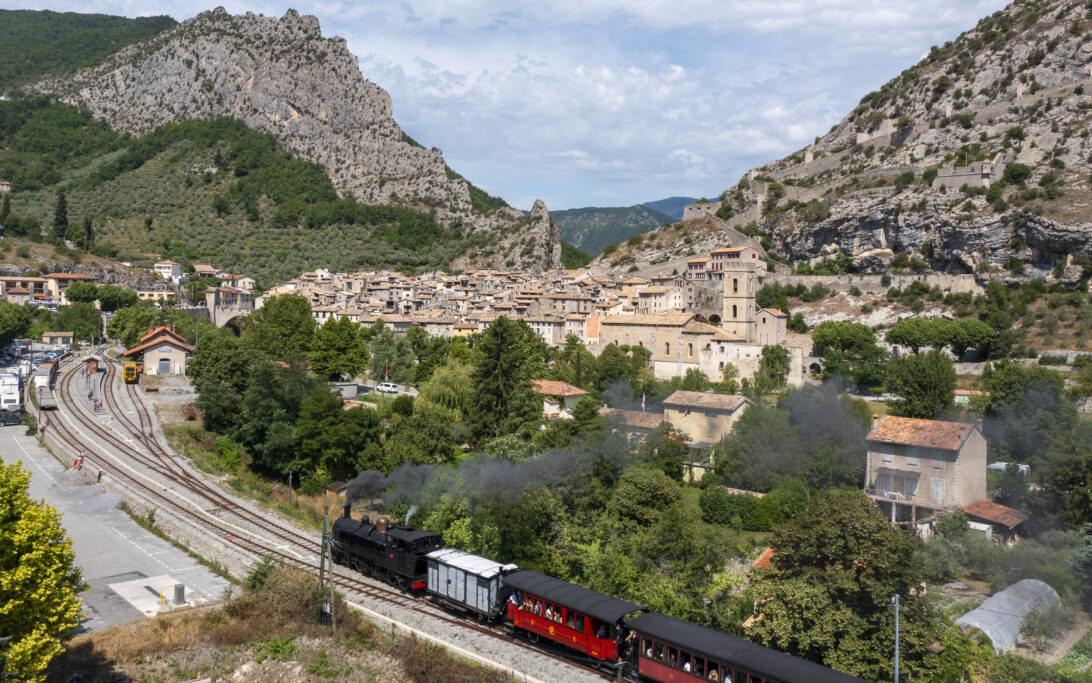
99 477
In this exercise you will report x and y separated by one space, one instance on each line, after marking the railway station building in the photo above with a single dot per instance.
163 351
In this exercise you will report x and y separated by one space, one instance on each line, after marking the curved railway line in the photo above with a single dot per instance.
77 427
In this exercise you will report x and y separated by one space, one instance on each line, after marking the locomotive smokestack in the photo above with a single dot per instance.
347 510
410 514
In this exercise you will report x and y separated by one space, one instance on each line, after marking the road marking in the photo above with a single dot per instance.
34 460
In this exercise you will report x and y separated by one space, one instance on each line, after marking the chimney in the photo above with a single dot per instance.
381 524
875 420
347 509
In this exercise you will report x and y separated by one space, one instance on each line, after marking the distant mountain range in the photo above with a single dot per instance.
672 206
594 227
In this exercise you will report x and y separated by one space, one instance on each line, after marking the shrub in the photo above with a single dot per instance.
929 176
1017 174
23 251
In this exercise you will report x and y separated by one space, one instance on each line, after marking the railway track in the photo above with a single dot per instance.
76 426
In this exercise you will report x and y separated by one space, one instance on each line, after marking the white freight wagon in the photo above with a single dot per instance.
467 582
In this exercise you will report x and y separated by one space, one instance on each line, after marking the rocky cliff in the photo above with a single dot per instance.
530 243
975 159
282 77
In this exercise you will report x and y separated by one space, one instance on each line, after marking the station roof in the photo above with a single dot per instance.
565 594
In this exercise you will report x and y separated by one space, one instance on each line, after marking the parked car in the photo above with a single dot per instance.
387 388
7 419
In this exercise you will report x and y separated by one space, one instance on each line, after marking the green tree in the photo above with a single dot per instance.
82 319
970 333
81 291
613 367
282 328
504 365
1027 409
924 383
392 357
113 297
449 388
88 234
729 380
40 579
694 380
426 436
331 439
912 332
575 365
60 217
826 596
849 349
642 495
338 349
15 320
5 209
131 323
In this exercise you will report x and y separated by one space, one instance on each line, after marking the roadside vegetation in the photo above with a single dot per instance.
274 629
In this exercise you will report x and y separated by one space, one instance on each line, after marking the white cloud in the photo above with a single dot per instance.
583 101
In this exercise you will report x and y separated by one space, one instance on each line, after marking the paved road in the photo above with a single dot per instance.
125 565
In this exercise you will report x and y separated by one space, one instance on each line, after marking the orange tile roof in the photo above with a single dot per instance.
763 560
910 431
549 387
727 250
774 312
161 340
995 513
156 331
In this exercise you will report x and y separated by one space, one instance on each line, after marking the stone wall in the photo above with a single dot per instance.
873 284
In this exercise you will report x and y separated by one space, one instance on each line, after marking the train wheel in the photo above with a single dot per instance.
533 637
596 663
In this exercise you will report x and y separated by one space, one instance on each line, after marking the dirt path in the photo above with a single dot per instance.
1071 638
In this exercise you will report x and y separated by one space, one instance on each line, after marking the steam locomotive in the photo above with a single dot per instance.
395 554
592 627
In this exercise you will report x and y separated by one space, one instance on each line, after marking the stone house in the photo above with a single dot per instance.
704 416
918 468
771 326
558 398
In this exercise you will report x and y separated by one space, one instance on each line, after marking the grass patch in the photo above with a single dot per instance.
1078 657
280 620
222 457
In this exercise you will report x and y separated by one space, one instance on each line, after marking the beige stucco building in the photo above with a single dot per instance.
704 416
916 468
164 352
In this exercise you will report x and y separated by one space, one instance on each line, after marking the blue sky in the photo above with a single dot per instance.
615 102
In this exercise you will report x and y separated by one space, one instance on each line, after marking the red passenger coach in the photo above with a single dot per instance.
578 618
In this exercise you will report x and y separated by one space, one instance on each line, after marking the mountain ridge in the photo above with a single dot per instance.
592 228
256 69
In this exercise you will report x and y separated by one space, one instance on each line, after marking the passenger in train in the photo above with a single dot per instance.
549 612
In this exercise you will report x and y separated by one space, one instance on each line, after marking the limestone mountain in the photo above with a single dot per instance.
283 78
592 228
975 159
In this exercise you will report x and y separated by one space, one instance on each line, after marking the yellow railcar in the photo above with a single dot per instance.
131 373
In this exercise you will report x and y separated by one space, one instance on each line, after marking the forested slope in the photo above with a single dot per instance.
33 44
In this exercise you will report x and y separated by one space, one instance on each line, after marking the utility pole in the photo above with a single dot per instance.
322 552
895 600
